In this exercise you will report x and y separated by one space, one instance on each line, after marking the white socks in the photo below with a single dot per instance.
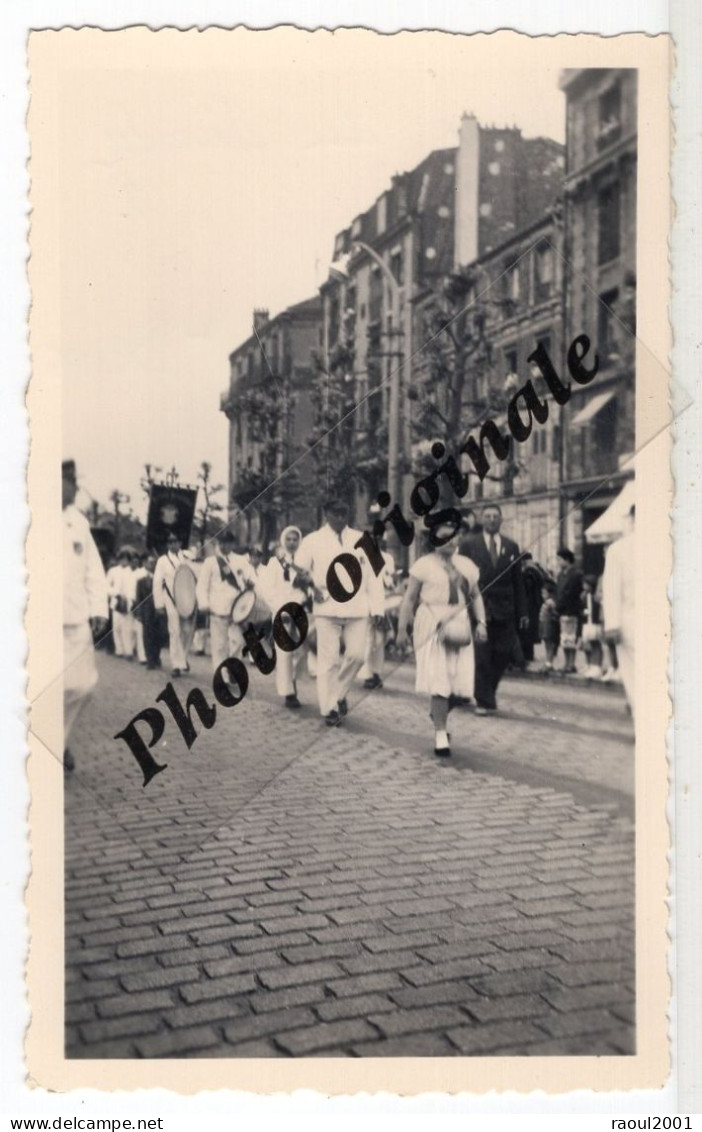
441 740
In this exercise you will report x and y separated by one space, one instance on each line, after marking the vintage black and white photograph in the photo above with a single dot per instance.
346 351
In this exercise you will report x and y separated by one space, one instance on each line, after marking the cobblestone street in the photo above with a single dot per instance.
283 889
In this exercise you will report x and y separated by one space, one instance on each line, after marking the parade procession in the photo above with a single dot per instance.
349 736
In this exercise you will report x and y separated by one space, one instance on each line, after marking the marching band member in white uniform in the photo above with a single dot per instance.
339 622
84 607
223 576
138 571
374 664
280 583
114 591
124 597
180 629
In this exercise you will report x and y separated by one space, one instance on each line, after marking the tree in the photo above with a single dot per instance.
269 485
207 521
151 473
456 388
333 439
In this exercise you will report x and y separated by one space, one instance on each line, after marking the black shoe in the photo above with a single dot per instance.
175 672
373 681
442 752
69 763
292 701
333 719
343 709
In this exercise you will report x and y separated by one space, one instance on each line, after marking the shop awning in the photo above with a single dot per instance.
612 523
592 408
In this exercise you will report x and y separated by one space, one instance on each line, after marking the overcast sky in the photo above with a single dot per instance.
203 175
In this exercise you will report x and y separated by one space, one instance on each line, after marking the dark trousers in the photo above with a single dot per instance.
491 660
527 643
153 635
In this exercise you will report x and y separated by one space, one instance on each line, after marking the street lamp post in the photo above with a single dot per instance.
394 479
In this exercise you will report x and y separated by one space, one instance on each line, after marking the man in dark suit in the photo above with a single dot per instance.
502 587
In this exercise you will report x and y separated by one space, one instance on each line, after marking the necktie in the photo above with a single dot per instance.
493 550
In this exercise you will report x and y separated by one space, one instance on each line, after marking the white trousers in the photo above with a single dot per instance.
180 632
139 637
336 674
226 639
374 661
80 674
124 631
286 666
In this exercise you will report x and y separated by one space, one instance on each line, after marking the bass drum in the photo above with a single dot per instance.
184 586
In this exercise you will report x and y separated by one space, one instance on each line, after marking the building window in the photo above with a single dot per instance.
610 117
510 356
605 430
357 227
543 273
608 223
606 323
397 265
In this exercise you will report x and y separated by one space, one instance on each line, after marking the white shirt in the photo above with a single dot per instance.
316 553
164 573
84 582
275 590
216 595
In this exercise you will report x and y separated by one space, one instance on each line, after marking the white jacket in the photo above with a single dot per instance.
216 595
84 583
164 574
316 553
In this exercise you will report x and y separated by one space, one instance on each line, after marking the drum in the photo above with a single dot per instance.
184 584
243 605
261 612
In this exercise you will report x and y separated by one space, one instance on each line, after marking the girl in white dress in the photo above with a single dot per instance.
442 586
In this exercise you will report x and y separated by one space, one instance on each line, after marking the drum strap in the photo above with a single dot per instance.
227 574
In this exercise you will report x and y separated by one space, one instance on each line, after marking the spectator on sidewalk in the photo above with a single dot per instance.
592 631
549 623
569 588
534 577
